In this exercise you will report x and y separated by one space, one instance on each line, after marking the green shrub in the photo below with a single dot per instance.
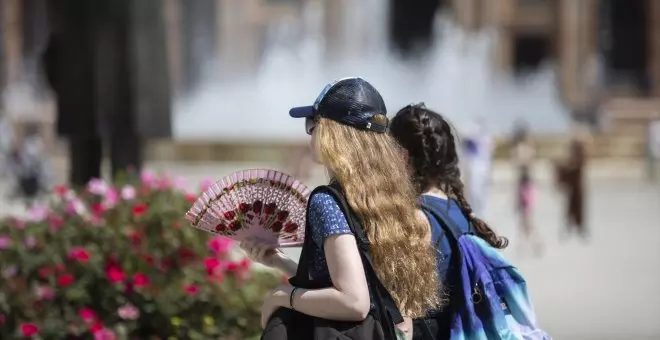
121 262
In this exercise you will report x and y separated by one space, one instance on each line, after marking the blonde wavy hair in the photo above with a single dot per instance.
371 169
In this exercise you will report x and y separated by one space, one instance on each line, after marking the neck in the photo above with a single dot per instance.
435 191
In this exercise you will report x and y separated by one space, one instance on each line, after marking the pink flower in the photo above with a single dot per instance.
56 222
96 220
111 198
79 254
104 334
87 314
38 213
128 312
206 183
20 224
5 242
220 245
65 280
148 178
97 187
164 183
241 268
191 289
29 329
140 280
75 207
115 274
10 272
98 209
213 265
96 327
44 292
30 242
140 209
128 192
190 197
179 183
60 190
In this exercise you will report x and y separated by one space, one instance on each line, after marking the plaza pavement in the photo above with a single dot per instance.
606 288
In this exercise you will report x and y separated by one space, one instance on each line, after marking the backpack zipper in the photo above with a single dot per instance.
477 297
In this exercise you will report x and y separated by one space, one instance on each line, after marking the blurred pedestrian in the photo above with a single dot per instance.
571 180
5 144
653 148
106 62
28 163
523 155
478 151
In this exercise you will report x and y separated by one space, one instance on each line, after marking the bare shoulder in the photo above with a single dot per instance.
421 217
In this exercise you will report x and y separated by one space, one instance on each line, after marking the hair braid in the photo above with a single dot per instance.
457 191
431 147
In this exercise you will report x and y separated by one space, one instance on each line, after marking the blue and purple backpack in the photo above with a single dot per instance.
489 298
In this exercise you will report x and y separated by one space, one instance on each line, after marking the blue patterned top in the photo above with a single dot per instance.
325 219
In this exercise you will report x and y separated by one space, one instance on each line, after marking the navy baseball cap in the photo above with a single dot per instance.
351 101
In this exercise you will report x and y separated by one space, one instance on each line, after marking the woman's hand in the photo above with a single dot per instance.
278 298
263 253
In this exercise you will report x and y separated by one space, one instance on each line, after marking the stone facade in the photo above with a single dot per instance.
654 39
11 40
571 27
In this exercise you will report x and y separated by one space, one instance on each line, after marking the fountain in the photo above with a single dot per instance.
458 78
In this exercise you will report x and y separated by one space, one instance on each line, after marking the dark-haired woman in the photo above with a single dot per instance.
431 148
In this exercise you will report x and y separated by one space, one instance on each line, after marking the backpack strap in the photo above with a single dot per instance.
446 222
384 301
363 241
454 279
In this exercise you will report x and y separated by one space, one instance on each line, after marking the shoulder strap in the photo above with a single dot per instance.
353 221
454 279
445 221
437 234
379 292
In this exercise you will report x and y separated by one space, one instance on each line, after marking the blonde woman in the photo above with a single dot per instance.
347 125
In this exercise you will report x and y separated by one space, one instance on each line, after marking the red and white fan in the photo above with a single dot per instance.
262 204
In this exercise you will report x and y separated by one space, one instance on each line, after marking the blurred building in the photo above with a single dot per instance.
607 51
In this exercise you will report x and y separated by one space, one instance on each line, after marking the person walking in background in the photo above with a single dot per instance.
5 144
106 62
477 148
571 180
523 154
653 148
29 166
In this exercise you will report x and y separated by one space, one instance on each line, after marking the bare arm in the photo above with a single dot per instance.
348 299
286 265
406 327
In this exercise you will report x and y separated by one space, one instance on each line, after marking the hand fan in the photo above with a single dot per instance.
263 204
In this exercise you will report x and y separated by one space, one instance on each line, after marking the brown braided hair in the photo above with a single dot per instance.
431 145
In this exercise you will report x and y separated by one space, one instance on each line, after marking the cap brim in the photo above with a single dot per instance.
302 112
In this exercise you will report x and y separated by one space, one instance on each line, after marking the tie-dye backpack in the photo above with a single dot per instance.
489 298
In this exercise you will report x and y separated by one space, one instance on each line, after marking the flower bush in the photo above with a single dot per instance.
115 262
